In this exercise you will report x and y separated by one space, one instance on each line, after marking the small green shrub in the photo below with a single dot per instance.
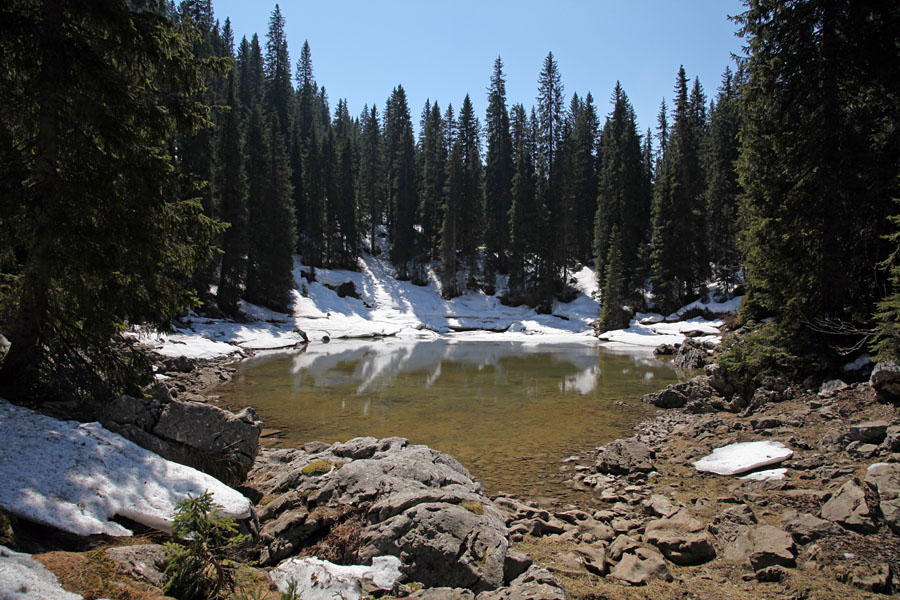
198 565
750 358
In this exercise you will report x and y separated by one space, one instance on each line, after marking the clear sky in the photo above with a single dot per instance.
361 49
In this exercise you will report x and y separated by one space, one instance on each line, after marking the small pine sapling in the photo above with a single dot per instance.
197 565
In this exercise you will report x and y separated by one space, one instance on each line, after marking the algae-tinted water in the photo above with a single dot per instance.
511 413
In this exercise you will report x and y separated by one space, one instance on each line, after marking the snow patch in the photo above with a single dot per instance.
77 476
317 579
769 474
23 578
744 456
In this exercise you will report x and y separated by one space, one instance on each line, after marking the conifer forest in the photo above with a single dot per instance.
150 163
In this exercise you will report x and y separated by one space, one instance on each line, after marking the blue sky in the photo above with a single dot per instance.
441 51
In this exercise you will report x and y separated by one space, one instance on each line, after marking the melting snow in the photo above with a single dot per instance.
742 457
317 579
77 476
23 578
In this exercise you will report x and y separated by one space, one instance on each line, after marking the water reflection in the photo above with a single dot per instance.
509 411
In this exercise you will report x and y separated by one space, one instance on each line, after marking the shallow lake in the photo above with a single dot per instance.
510 412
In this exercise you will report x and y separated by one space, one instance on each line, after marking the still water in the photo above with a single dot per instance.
510 412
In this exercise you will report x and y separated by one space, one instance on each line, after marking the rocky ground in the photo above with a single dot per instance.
650 525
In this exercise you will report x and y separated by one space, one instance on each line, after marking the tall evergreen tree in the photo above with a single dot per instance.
583 177
105 235
251 82
819 158
454 201
434 159
369 189
270 253
470 230
498 174
678 242
401 174
623 200
523 221
721 147
614 287
231 184
278 75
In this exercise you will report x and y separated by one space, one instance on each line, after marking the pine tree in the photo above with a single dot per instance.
549 136
251 81
278 75
434 159
820 145
623 200
615 291
401 173
678 241
270 254
370 189
470 215
231 184
498 174
103 233
583 177
721 196
523 218
454 200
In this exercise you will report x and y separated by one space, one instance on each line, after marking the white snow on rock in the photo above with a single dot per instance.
742 457
769 474
23 578
77 476
321 580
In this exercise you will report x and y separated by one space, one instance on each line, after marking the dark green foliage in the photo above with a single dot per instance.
231 189
523 224
721 148
615 291
401 178
200 566
498 174
277 68
819 159
679 262
469 233
750 358
582 171
434 159
370 191
886 343
623 201
450 231
271 214
97 230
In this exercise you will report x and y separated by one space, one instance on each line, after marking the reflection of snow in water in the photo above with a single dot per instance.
583 383
375 364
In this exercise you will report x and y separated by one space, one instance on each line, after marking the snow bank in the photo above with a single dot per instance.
23 578
742 457
77 476
321 580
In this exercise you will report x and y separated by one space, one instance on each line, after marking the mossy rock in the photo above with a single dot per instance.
473 506
7 535
320 467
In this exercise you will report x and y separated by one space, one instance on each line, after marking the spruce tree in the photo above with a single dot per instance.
498 174
278 75
401 174
434 159
678 240
231 184
470 214
454 200
615 288
721 147
523 222
104 234
820 149
270 276
369 189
